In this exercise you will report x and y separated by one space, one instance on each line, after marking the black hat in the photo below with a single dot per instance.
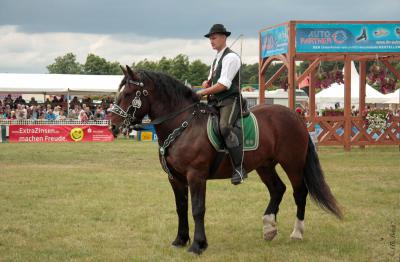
218 29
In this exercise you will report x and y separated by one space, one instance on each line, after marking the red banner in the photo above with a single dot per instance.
54 133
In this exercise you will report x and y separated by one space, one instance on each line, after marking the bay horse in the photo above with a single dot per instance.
187 155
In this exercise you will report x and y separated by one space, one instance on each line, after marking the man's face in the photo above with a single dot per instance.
218 41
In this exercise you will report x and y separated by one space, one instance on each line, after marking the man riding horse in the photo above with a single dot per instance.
223 90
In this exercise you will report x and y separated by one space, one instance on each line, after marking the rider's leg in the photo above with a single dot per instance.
233 140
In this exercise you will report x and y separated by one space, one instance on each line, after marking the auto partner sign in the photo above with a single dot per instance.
274 41
369 37
54 133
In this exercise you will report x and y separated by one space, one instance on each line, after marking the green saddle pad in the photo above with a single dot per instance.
251 134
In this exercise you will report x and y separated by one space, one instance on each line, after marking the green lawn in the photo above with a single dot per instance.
113 202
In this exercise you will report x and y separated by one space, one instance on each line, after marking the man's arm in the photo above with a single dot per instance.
230 66
218 87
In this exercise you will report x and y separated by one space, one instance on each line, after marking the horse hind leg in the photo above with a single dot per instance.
300 197
300 192
276 190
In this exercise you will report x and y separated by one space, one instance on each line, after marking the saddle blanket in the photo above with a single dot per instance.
251 134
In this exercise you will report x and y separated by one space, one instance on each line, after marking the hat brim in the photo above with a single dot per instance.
222 33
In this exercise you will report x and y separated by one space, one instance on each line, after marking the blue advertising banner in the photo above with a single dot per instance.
347 38
274 41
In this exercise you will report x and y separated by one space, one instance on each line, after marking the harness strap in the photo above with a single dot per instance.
160 120
171 138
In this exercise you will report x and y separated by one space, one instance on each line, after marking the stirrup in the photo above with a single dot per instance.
238 176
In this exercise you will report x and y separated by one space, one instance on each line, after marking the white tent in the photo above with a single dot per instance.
393 98
335 93
58 83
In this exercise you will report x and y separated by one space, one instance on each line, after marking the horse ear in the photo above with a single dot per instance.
123 69
130 72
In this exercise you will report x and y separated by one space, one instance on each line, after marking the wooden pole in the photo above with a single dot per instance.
311 99
261 74
363 71
361 101
275 76
292 67
347 103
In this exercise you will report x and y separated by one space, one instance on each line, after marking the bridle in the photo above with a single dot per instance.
129 114
129 118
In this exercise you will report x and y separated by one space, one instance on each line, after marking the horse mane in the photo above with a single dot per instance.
170 90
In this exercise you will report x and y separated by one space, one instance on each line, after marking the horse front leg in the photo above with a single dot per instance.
197 185
181 201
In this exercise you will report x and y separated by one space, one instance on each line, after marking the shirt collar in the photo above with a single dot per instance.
219 54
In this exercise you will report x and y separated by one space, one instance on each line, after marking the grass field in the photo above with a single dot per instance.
112 202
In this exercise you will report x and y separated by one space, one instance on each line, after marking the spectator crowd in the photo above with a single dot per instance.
55 109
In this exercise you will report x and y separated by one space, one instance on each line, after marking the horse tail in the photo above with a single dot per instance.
316 185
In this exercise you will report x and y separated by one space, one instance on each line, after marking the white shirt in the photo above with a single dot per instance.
230 67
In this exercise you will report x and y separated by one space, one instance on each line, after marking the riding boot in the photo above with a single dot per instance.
239 173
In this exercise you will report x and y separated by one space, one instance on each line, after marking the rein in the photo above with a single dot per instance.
129 117
164 118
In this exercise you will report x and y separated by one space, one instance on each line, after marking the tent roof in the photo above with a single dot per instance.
335 92
58 83
393 98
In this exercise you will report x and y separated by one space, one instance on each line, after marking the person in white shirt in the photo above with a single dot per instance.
223 90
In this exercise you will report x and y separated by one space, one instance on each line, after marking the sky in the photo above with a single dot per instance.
34 32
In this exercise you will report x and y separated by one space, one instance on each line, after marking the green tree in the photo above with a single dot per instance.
249 74
164 65
145 65
96 65
66 64
198 72
180 67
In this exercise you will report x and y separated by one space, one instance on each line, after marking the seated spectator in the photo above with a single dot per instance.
19 100
74 113
61 115
8 101
99 114
2 112
54 102
50 116
104 104
34 114
12 115
21 112
83 117
56 110
89 113
47 102
33 102
74 102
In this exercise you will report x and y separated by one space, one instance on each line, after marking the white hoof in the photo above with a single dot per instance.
298 230
269 229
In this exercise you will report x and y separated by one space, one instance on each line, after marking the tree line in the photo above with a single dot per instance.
193 72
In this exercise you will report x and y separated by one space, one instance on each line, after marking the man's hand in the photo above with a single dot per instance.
205 84
200 94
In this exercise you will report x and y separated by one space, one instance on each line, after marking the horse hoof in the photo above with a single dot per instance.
197 249
296 235
270 234
269 229
179 242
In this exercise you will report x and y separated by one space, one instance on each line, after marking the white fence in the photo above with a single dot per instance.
7 122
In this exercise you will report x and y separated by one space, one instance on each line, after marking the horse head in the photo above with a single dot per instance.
132 100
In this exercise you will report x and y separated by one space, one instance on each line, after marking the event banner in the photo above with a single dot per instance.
348 37
55 133
274 41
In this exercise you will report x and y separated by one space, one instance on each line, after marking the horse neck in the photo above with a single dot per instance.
166 127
